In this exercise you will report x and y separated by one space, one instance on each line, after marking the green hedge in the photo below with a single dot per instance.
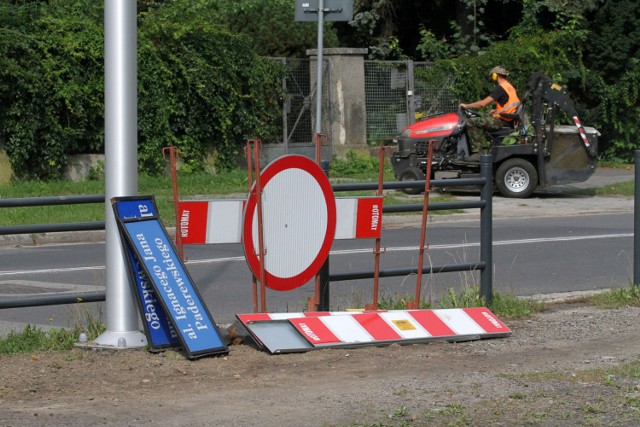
201 88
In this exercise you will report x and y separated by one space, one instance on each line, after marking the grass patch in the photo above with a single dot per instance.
511 307
399 302
504 306
604 376
190 186
616 298
227 184
35 339
617 189
615 164
32 339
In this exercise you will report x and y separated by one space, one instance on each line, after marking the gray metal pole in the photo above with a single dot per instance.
486 229
121 165
411 98
636 221
324 303
319 67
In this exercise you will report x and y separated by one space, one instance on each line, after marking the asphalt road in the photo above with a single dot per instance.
557 241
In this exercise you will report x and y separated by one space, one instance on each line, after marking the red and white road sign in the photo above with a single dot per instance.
298 222
379 327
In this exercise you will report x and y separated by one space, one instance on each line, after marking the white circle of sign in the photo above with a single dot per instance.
298 222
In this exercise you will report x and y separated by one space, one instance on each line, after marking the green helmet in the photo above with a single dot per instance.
498 71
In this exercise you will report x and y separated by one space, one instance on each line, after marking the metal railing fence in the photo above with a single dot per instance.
484 182
51 201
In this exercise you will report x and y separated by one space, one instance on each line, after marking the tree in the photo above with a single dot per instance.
271 27
612 91
202 88
51 90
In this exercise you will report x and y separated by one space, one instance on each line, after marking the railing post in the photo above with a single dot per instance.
323 299
486 229
636 220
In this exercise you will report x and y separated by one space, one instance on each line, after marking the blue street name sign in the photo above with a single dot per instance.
179 298
159 331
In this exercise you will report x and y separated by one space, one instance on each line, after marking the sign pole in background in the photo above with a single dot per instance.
310 11
319 68
121 165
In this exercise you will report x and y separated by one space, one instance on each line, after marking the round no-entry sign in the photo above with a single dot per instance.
299 222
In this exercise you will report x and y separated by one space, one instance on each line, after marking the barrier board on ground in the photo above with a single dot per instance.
290 332
179 298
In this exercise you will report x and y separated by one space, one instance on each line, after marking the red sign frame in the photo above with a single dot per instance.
252 253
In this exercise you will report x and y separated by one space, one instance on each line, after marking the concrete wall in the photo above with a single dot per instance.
5 167
344 116
79 166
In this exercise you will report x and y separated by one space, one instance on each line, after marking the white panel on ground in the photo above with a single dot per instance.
347 329
459 321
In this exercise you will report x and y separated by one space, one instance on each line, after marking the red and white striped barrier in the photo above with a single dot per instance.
358 218
215 221
344 329
220 221
582 132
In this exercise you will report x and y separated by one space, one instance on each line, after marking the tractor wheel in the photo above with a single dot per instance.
516 178
412 174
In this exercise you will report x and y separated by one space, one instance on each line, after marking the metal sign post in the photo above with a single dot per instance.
319 67
322 10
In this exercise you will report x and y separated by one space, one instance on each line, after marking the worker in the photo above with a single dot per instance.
507 101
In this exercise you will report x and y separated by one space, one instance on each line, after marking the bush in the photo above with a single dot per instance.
355 163
201 88
52 73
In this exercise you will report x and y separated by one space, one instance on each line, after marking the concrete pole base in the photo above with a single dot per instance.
120 340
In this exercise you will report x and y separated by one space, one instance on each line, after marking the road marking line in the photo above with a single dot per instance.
349 251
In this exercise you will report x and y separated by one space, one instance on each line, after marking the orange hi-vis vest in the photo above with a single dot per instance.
512 103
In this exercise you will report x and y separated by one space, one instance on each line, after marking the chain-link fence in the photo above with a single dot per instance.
297 125
397 93
400 92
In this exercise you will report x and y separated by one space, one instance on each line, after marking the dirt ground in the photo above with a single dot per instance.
571 365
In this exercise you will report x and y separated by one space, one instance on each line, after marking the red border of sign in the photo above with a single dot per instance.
291 161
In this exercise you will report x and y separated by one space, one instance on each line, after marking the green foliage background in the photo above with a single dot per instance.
200 86
205 84
51 84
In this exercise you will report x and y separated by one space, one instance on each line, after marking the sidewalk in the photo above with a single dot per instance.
558 201
561 200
